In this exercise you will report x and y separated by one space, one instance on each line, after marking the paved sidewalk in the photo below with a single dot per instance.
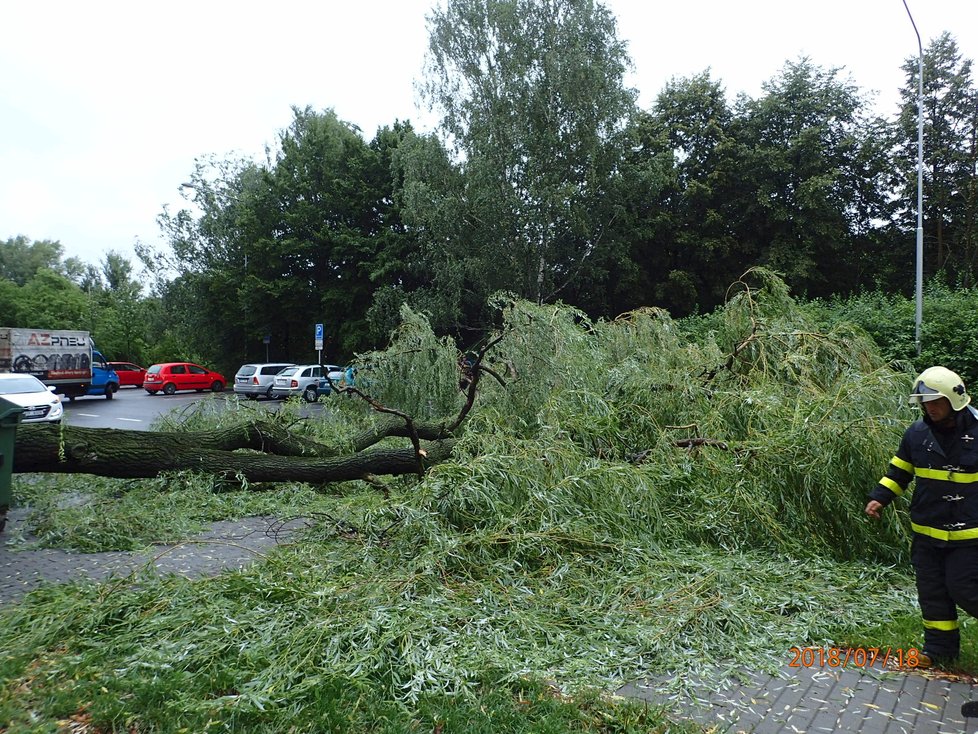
228 544
818 700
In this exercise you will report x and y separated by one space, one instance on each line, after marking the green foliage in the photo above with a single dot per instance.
580 534
949 331
778 407
819 169
272 645
532 103
950 126
683 237
151 683
887 317
949 326
39 290
48 300
274 249
416 374
21 260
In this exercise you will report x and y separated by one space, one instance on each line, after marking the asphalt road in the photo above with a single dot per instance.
134 409
131 408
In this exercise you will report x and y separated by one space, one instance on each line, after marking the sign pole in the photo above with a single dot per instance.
319 342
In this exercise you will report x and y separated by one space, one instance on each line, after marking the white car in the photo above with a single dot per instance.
40 403
303 379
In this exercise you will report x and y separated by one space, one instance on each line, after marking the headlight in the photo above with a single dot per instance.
56 410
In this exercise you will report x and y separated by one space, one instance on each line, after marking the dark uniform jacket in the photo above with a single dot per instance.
944 506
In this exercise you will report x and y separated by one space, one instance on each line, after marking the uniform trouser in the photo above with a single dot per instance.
947 578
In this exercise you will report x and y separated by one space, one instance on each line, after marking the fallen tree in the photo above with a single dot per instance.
258 451
671 431
274 455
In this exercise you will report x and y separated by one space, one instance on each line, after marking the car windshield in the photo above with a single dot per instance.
288 371
155 369
247 370
21 384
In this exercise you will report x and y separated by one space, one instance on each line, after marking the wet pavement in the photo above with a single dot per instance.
224 545
873 700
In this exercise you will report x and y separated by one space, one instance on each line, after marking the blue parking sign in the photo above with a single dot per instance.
319 336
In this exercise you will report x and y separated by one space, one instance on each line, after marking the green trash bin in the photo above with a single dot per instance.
9 418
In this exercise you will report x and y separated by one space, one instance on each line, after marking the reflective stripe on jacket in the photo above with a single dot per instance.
944 506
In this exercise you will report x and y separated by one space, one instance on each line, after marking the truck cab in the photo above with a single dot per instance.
105 381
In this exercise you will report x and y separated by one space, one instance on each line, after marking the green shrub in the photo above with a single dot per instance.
949 326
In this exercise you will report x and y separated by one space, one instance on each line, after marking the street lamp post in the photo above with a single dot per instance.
920 184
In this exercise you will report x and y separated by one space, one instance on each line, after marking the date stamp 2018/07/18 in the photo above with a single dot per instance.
857 657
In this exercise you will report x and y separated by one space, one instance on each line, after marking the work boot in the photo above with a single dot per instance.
931 660
924 661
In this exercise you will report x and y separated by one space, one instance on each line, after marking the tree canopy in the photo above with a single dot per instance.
533 102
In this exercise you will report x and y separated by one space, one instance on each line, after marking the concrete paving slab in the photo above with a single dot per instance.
224 545
874 700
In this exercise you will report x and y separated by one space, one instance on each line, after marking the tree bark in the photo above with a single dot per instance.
257 452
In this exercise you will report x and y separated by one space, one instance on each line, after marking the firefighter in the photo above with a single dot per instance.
940 452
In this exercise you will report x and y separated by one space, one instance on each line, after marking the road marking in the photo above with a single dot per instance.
131 420
90 415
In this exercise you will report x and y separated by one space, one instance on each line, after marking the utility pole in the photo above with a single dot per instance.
919 313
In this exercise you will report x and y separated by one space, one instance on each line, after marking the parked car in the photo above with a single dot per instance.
256 380
129 374
172 376
39 401
302 379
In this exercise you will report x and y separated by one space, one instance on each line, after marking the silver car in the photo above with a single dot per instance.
302 379
256 380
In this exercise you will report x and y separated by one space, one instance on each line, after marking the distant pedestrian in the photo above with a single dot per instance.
940 452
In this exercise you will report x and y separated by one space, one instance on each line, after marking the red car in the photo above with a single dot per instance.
172 376
129 373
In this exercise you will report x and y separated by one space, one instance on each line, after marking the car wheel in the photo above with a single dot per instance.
110 390
255 397
310 394
218 386
151 392
268 393
169 388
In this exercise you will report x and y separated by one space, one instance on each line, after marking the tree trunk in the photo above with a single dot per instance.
256 452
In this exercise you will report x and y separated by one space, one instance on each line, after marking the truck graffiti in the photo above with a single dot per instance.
65 359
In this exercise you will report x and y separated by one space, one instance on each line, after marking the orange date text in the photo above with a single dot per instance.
855 657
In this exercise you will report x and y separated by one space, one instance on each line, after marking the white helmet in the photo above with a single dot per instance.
939 382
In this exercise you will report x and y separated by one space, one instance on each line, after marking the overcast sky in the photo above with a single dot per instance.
104 105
